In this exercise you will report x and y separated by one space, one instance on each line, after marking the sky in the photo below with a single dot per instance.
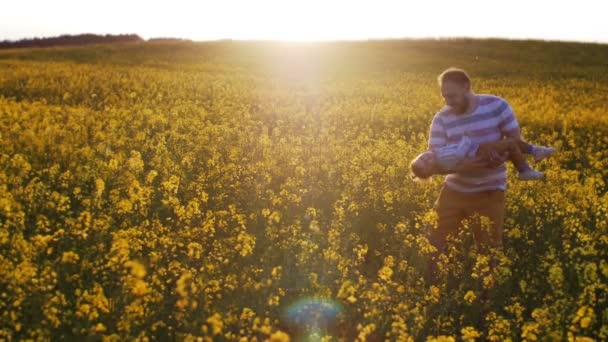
580 20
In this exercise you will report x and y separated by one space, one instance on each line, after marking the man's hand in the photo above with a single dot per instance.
496 159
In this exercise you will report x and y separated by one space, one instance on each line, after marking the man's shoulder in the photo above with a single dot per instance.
486 99
443 112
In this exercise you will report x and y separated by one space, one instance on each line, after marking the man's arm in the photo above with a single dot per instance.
508 125
437 134
509 128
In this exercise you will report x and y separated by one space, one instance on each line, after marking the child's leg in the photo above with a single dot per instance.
513 147
524 147
538 152
516 155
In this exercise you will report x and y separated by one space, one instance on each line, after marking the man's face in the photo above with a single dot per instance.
454 95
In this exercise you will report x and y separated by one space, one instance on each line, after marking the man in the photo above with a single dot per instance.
475 186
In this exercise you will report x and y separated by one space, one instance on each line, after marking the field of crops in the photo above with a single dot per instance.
250 191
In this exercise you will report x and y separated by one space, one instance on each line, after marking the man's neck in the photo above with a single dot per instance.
472 100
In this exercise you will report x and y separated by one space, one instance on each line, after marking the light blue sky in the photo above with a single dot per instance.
581 20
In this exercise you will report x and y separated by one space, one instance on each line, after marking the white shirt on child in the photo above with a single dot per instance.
449 156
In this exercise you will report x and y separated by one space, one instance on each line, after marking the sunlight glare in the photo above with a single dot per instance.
311 20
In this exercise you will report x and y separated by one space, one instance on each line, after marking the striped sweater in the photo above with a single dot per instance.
492 119
450 155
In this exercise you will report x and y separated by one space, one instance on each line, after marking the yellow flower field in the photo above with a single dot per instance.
258 191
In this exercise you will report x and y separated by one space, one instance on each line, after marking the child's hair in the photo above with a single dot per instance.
418 173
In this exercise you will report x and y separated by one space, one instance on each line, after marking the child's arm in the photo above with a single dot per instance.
442 171
447 168
470 164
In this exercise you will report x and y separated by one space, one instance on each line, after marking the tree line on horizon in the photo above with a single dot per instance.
80 39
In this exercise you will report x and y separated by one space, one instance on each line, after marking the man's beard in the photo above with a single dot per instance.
462 109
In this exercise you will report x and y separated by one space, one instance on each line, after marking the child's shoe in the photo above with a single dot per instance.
542 152
530 174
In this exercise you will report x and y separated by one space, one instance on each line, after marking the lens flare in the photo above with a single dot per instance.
312 318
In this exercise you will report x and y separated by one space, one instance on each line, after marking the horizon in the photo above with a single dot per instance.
304 42
311 21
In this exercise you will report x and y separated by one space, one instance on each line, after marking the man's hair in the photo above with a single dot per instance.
455 75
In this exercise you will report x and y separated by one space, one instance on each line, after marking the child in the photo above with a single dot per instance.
445 158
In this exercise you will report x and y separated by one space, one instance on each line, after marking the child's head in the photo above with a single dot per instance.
424 165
